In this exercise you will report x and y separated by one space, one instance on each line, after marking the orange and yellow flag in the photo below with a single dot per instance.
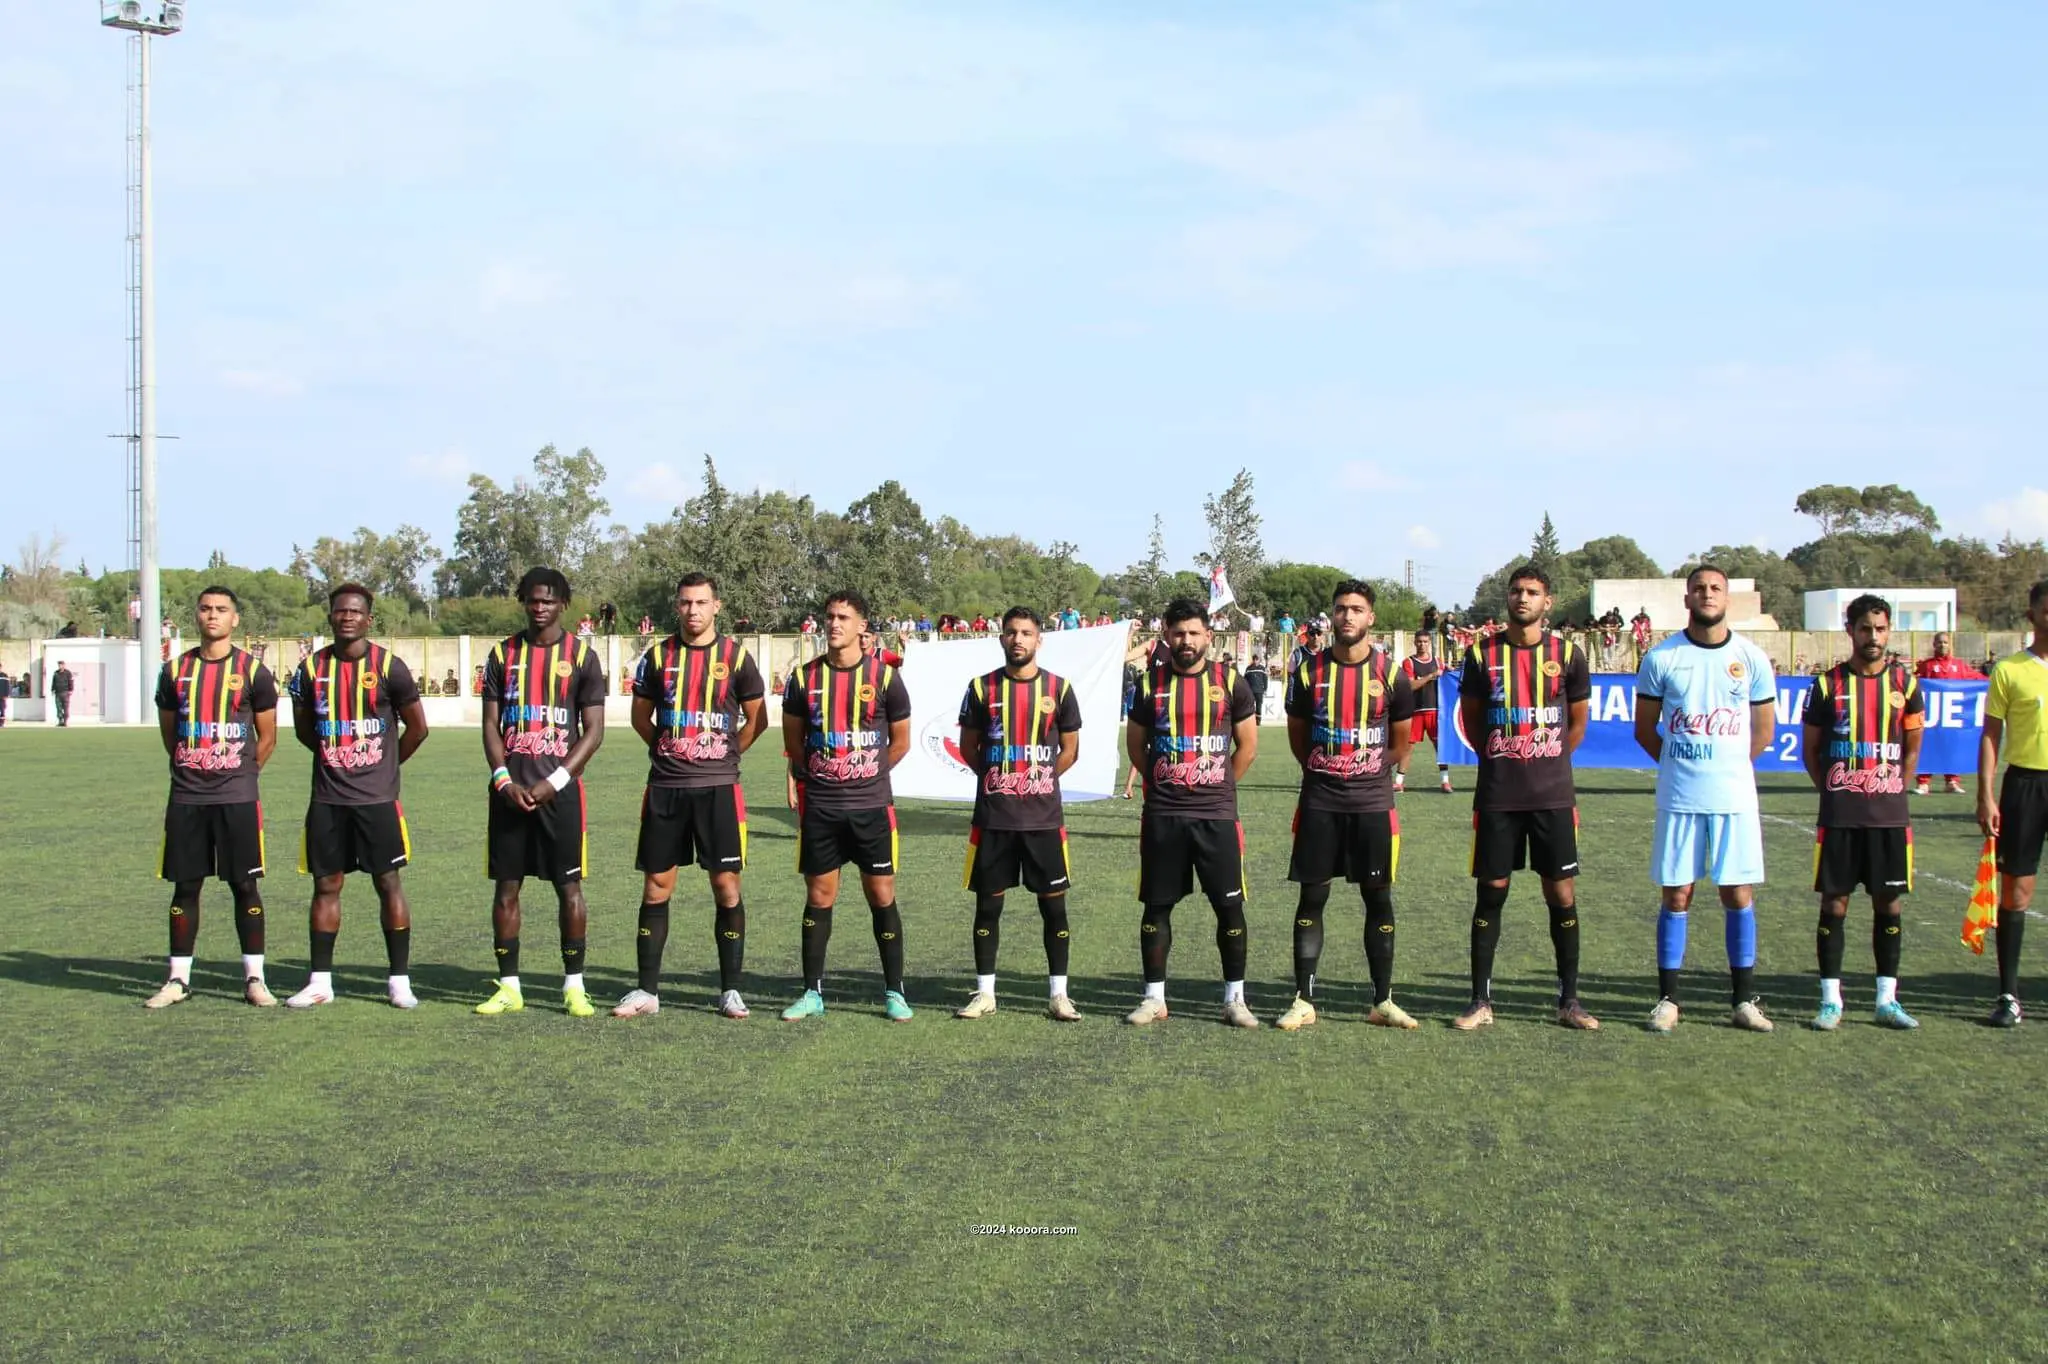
1982 915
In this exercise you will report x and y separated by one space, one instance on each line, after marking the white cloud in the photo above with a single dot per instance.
451 467
1422 537
517 284
1366 476
658 485
266 382
2023 515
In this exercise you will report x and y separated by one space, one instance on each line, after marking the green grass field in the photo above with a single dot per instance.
218 1181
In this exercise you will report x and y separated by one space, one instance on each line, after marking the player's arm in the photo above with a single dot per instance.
266 736
1987 771
899 742
1648 711
1298 742
793 725
413 718
1400 712
974 749
167 725
1763 727
1813 744
1070 752
494 747
1575 717
1136 739
581 752
1909 747
643 719
1578 694
304 723
263 705
1245 733
753 720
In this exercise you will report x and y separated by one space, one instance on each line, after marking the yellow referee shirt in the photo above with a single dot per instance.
2019 697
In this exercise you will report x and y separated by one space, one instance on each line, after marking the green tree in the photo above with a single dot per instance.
1544 550
1300 590
391 566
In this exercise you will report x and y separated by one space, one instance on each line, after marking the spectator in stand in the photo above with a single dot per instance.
870 643
1943 665
646 628
1639 631
70 630
1102 618
60 692
608 618
7 690
476 681
1256 679
586 628
980 623
449 686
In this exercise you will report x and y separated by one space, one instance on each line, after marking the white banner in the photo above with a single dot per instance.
937 674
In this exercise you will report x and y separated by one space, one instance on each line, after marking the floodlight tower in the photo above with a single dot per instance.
142 22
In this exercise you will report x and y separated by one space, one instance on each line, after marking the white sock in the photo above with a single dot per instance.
509 982
1831 992
399 983
322 980
573 981
1887 990
1233 990
1058 986
985 985
1156 989
181 969
252 965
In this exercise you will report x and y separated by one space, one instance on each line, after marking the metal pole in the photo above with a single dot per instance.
151 621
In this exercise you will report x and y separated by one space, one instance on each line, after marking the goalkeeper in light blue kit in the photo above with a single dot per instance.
1705 703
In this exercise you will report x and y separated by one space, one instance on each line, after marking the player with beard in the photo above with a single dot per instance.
1193 734
2016 724
1861 737
1422 671
216 707
543 721
845 724
698 704
348 703
1523 695
1347 722
1705 699
1020 729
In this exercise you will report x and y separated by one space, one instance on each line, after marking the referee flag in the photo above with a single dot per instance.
1982 915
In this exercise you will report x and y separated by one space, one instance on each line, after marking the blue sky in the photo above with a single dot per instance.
1426 269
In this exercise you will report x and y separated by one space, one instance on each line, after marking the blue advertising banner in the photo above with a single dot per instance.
1955 719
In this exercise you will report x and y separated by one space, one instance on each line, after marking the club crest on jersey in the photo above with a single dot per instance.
1736 671
1045 706
720 671
1551 667
1376 689
1895 699
1216 696
234 682
370 682
562 667
867 692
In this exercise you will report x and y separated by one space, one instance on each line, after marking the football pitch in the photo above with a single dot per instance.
355 1181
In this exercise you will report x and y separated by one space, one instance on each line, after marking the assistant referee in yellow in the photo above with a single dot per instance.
2016 721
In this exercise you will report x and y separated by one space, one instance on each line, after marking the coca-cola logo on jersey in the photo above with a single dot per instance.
1032 781
538 743
859 765
707 747
355 756
1364 762
223 757
1867 781
1537 743
1200 772
1721 722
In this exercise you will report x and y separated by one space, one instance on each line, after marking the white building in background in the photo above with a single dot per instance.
1913 608
1664 599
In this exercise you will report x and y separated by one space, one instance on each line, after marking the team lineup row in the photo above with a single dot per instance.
1704 701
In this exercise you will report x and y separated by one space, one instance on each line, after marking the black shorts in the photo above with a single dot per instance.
866 838
1544 841
551 841
2022 820
343 838
1173 852
706 825
1000 858
1879 860
1363 847
225 841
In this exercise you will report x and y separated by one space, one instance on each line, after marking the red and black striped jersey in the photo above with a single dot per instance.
216 701
1861 722
847 713
1348 707
1020 721
698 692
541 690
1187 719
355 704
1525 761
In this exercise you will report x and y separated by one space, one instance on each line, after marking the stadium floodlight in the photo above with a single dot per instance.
142 20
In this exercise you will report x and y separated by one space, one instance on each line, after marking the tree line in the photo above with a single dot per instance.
776 555
1875 537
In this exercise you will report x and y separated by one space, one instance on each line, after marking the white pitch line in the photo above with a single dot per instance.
1925 876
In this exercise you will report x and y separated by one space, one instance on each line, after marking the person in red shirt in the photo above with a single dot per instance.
1944 666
